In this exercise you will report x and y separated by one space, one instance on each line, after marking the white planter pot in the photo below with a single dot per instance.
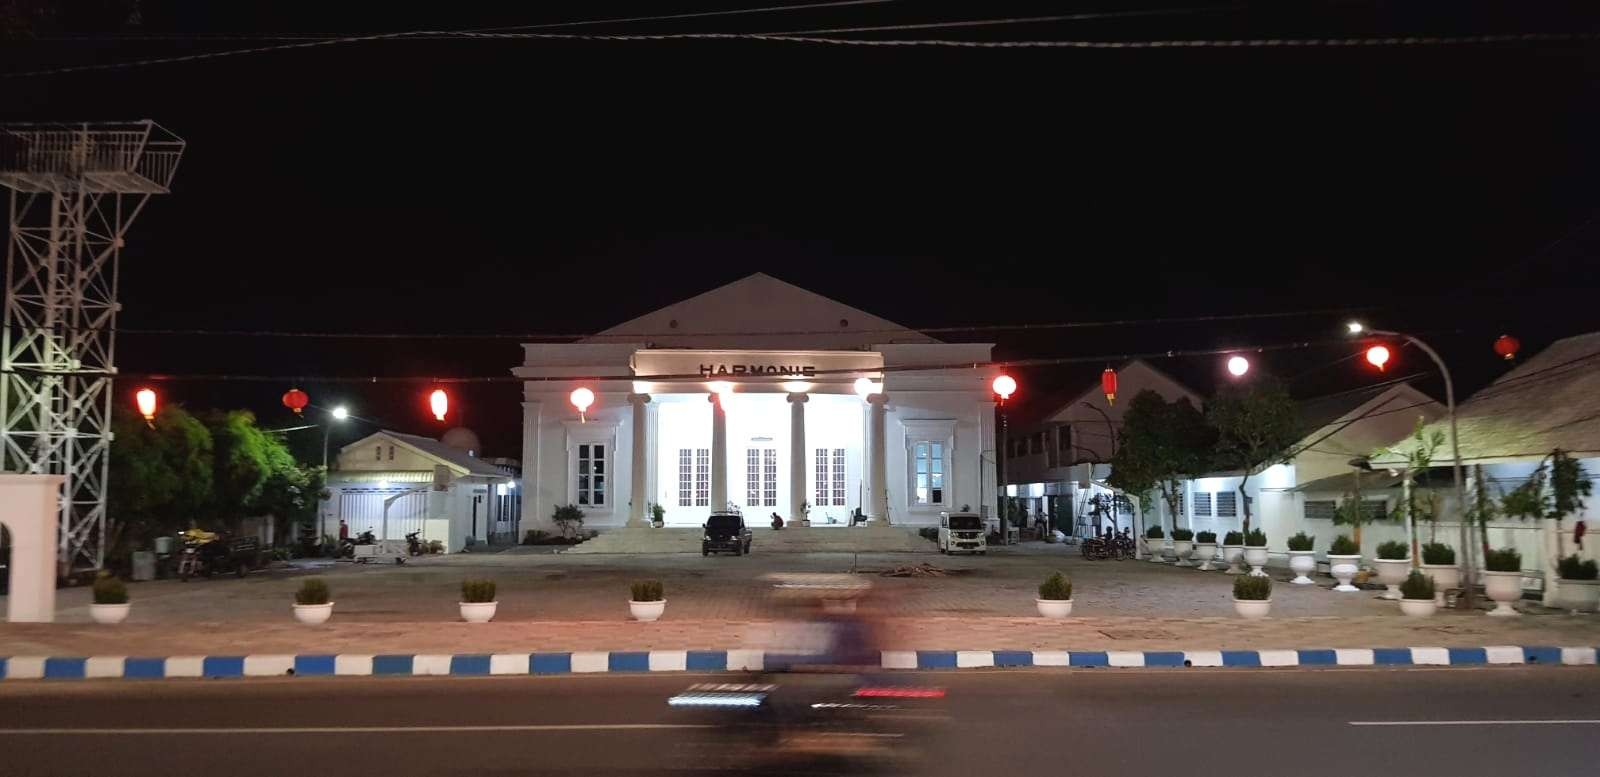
477 612
1054 608
1344 569
1256 557
1232 554
1302 563
1579 595
647 611
313 614
1158 550
1182 549
1504 588
1392 572
1252 609
1418 608
1445 577
1204 552
109 613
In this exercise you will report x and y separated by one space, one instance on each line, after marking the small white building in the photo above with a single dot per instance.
1056 463
746 396
393 484
1300 495
1550 401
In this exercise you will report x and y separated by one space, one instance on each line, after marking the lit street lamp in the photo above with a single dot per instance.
339 413
1003 386
1468 598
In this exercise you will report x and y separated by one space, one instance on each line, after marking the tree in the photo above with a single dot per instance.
256 474
1424 507
1256 426
160 475
1161 444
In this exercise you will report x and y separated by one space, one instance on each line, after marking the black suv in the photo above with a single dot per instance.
725 532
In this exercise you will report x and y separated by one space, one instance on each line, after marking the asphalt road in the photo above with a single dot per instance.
1456 722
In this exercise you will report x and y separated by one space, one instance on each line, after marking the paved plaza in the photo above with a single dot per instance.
579 602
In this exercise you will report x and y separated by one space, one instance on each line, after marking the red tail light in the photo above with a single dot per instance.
900 693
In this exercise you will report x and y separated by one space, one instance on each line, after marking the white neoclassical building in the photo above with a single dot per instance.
746 396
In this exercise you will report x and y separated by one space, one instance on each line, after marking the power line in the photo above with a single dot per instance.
1072 17
197 37
630 336
1393 41
699 377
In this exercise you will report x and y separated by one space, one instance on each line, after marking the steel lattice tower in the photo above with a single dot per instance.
75 190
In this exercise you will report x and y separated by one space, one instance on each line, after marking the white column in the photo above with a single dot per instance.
719 454
877 466
797 456
637 501
29 508
532 505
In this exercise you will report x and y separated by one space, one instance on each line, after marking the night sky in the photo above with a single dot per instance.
435 186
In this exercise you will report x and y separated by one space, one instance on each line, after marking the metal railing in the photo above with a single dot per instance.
142 149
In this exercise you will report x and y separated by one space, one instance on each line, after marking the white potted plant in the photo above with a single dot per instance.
1302 558
1183 546
1502 580
1055 596
477 601
1252 596
110 601
1439 563
1255 552
1393 563
1154 540
1233 552
1344 561
312 603
1580 588
1416 595
1205 549
648 601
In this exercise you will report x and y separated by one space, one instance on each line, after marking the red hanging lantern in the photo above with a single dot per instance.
146 400
439 402
1507 346
1108 384
295 400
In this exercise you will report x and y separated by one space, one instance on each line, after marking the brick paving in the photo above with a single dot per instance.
572 602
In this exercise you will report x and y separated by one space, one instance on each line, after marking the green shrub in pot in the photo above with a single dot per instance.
1343 546
110 590
1233 538
647 591
1393 551
1251 588
313 590
1183 535
1057 587
477 591
1205 537
1255 539
1574 568
1438 553
1154 533
1502 560
1417 586
1302 542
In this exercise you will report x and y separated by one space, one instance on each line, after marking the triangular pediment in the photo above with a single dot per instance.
760 311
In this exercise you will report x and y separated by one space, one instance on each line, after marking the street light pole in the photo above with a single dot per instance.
1468 597
337 414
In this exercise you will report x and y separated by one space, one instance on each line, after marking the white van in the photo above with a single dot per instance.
963 533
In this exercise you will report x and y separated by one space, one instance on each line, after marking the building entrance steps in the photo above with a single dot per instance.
790 539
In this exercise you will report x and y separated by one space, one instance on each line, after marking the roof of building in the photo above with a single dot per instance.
759 310
1318 412
1550 401
1434 477
438 450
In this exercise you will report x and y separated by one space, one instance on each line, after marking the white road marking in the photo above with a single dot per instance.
346 729
1566 722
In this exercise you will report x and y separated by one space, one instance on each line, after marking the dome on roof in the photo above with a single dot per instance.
462 439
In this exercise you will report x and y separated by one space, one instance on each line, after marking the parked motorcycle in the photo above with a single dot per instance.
347 545
414 544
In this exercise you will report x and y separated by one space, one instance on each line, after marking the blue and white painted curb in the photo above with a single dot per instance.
588 662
